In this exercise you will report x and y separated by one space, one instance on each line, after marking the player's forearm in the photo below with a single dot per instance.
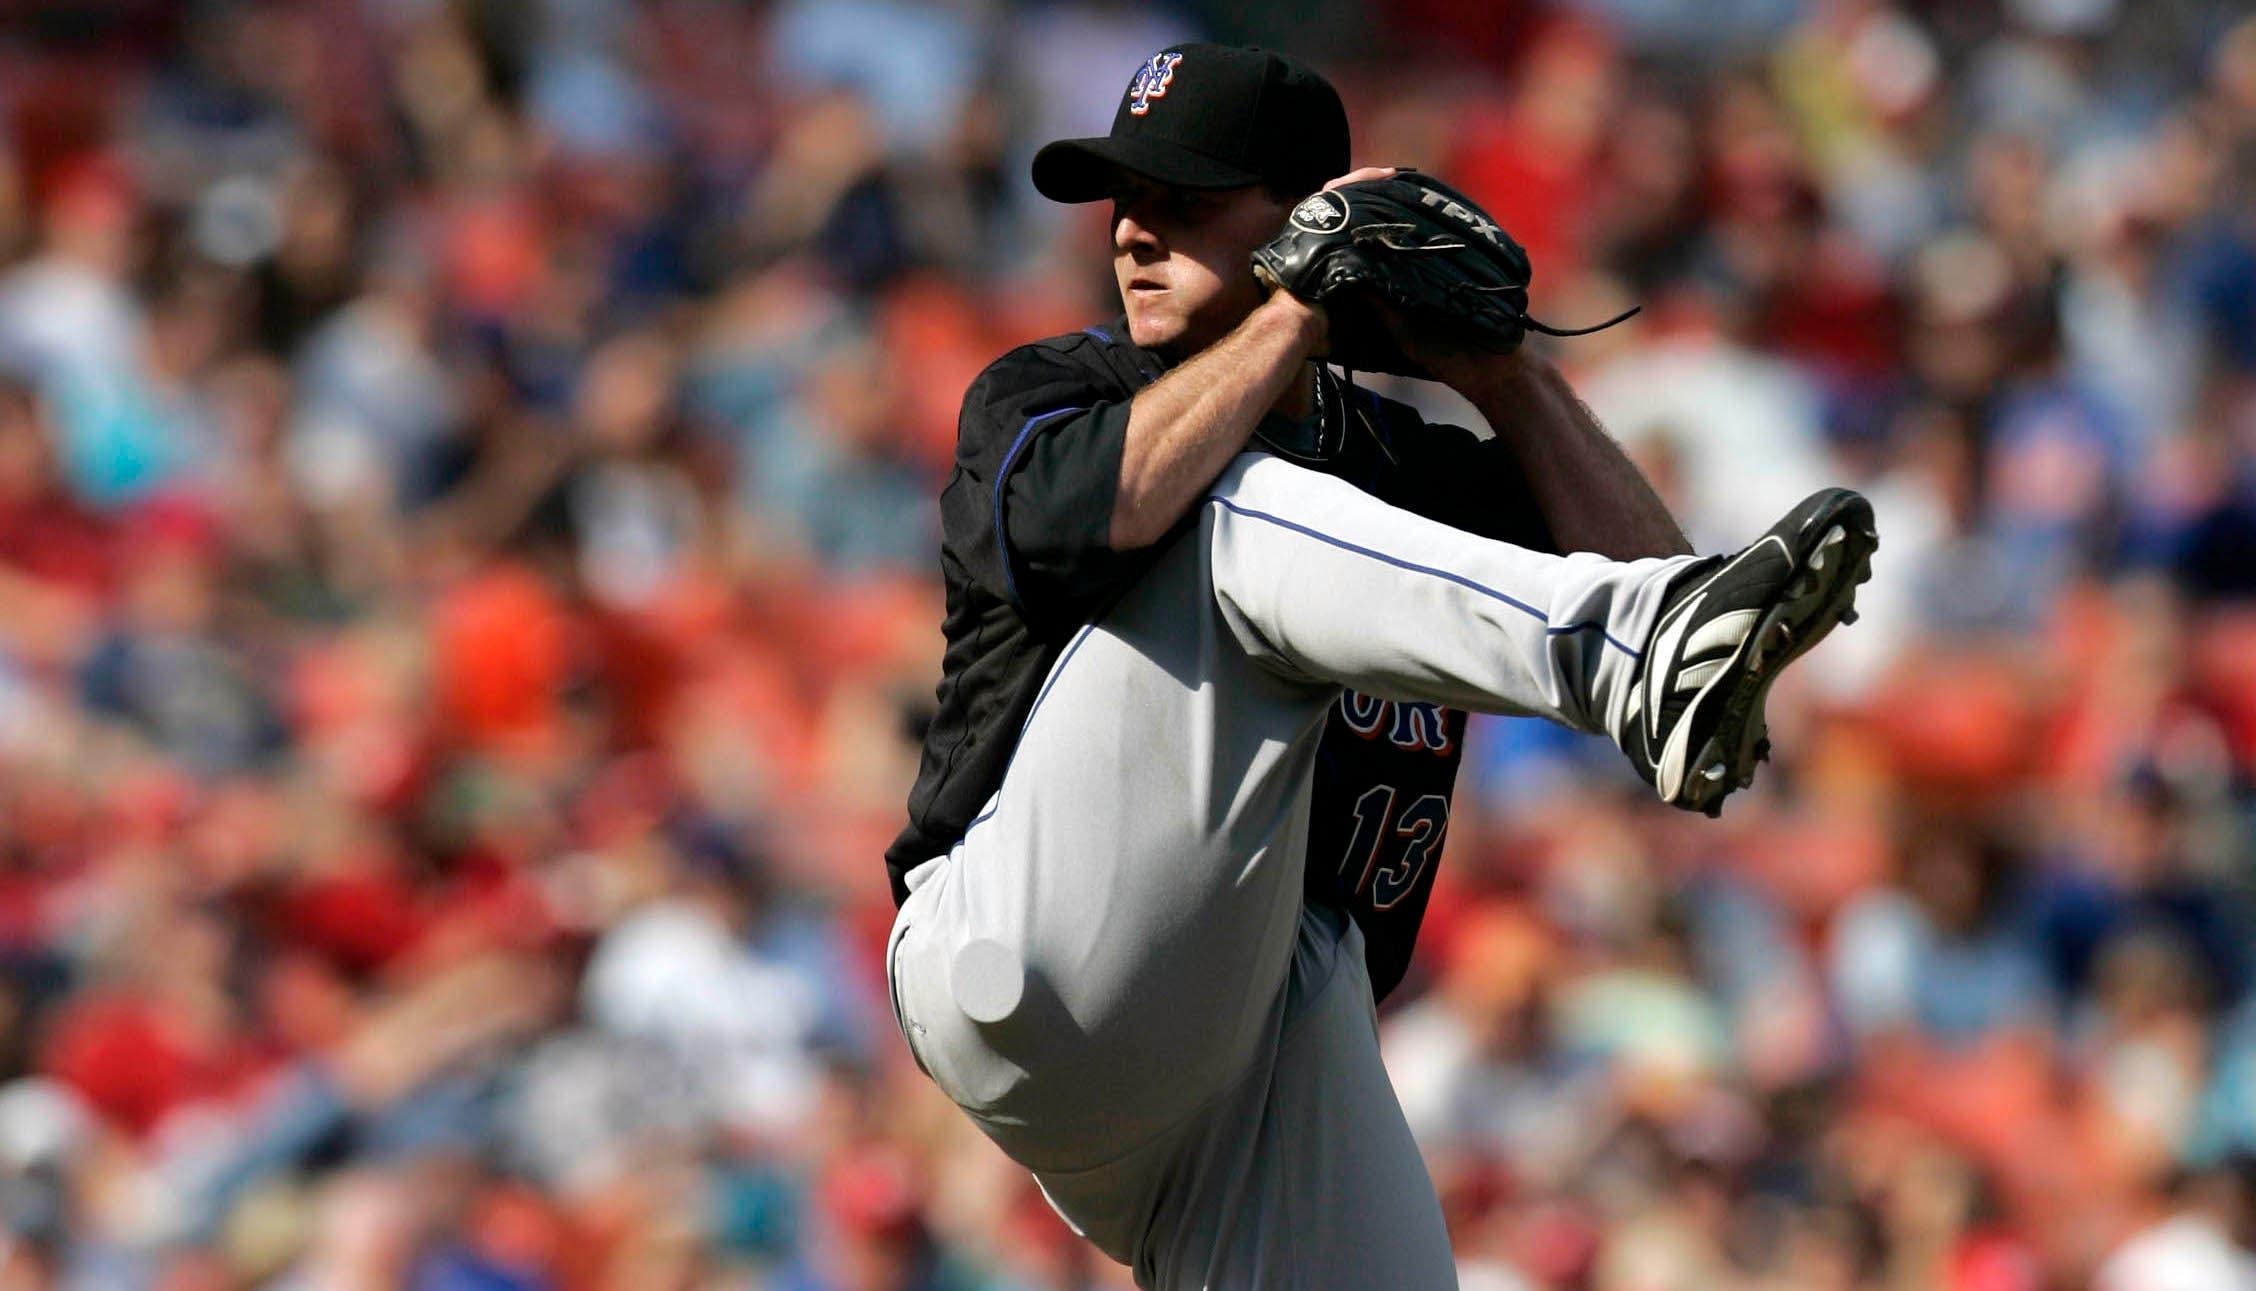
1185 427
1591 495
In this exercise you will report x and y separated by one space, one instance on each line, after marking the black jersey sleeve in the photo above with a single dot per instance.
1029 508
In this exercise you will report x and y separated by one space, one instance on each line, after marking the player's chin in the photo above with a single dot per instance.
1152 325
1175 326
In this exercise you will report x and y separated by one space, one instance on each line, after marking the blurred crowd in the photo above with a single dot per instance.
468 608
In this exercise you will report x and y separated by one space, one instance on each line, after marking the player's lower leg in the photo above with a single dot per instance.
1692 723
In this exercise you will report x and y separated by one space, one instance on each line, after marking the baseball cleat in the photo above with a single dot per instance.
1693 722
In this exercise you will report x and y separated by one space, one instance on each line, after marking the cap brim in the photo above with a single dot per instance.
1081 170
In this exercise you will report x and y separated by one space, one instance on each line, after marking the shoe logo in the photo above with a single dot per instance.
1152 80
1661 659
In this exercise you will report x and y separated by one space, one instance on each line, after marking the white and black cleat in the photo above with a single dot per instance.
1693 723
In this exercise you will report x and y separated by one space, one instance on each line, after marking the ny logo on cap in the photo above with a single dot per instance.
1151 82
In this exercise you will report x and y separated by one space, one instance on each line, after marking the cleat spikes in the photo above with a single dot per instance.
1728 625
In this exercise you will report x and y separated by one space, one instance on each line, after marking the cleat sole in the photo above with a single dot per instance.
1817 599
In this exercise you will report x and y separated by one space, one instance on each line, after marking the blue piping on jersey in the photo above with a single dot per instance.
1056 669
1002 484
1100 333
1442 574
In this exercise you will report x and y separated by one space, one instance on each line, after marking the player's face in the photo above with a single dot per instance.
1181 257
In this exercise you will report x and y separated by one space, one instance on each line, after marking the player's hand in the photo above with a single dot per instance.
1358 176
1308 317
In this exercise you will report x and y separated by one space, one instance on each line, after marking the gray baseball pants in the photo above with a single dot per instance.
1113 972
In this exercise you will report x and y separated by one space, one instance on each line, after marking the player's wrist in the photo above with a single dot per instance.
1309 326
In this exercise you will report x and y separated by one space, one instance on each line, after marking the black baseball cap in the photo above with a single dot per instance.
1209 116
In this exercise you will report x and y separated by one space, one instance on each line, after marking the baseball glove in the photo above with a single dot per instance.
1418 245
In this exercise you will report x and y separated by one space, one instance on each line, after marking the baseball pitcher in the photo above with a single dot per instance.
1214 619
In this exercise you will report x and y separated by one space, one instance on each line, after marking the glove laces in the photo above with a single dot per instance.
1549 330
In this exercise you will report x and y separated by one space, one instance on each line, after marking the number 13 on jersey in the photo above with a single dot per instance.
1389 850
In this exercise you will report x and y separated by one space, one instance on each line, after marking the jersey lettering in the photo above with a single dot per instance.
1408 724
1419 725
1363 714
